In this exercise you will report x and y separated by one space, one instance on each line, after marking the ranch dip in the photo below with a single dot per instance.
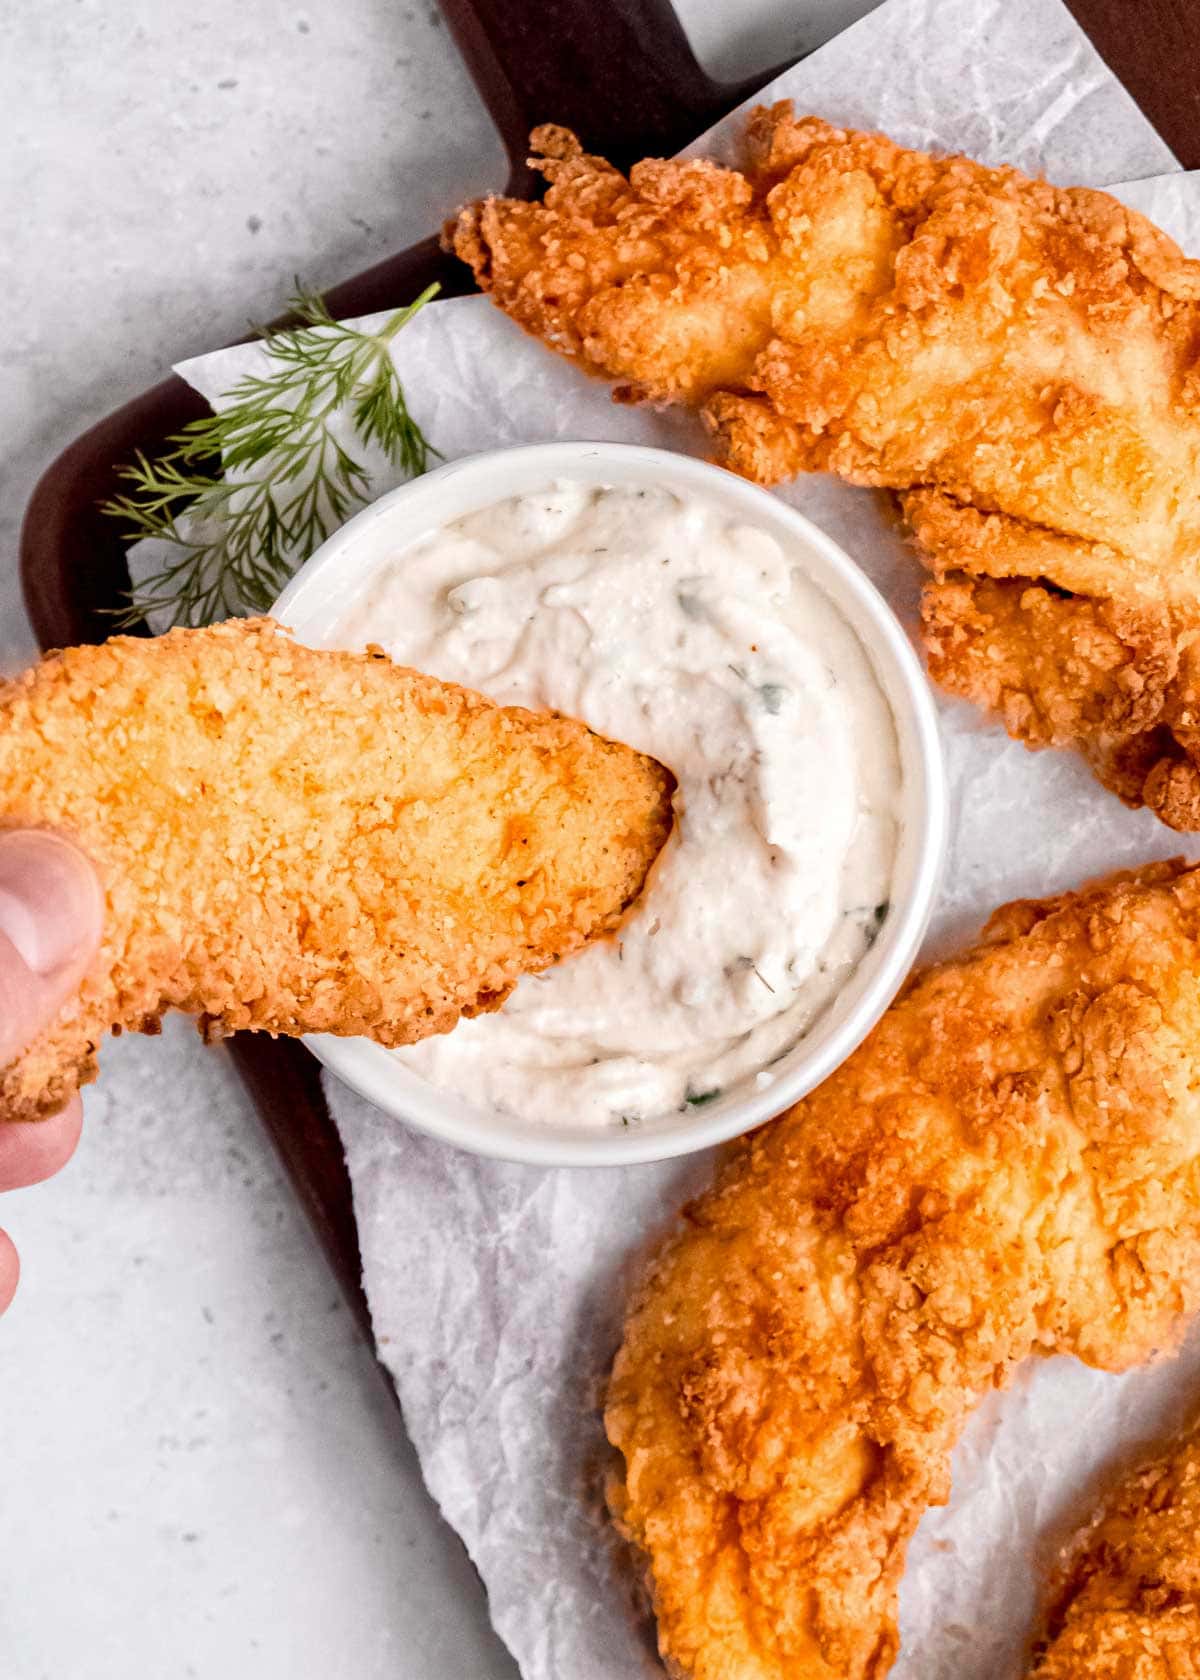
699 640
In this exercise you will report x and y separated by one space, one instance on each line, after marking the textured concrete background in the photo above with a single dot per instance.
202 1475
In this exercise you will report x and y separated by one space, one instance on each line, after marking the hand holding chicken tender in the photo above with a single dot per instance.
295 841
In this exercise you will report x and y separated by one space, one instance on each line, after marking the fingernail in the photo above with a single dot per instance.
50 900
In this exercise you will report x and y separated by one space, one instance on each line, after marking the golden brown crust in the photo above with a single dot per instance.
594 269
295 841
1113 677
1008 1166
1025 353
1127 1603
909 320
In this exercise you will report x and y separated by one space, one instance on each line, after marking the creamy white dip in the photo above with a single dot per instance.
700 641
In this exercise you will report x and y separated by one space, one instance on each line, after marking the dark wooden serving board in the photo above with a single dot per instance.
622 74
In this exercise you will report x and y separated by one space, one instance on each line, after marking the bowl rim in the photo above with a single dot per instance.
369 1070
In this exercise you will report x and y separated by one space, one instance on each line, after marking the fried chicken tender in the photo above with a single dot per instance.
1024 359
1128 1605
295 841
1065 670
1009 1165
1117 677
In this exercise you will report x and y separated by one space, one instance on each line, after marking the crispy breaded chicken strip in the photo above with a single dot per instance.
1105 676
296 841
1128 1604
1116 677
1009 1165
1020 351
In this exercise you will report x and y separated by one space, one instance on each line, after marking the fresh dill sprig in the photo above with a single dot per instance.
247 494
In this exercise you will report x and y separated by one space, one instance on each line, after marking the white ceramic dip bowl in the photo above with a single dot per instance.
343 569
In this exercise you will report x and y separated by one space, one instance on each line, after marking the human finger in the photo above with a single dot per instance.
51 908
32 1150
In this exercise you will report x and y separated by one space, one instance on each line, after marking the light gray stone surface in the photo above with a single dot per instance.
202 1474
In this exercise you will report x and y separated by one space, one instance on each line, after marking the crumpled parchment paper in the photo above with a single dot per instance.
497 1290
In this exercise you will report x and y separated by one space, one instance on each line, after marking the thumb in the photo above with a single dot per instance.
51 907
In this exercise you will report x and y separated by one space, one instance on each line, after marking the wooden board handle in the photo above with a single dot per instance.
619 72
